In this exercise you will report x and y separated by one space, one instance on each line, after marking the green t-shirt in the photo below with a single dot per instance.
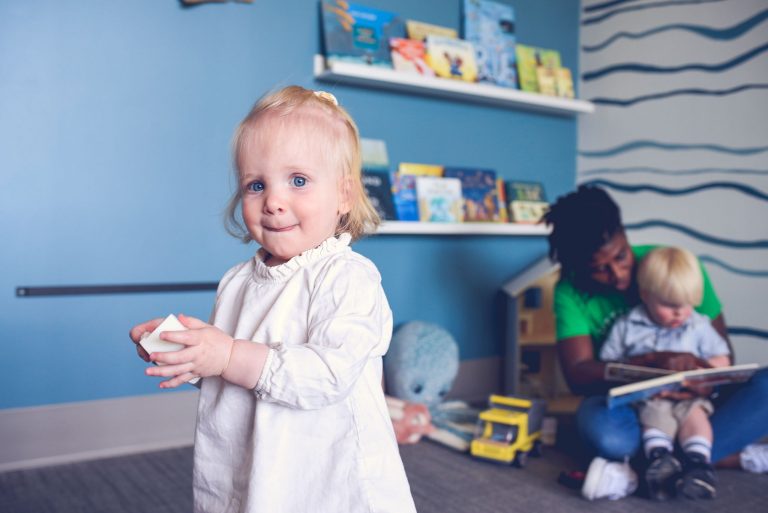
580 313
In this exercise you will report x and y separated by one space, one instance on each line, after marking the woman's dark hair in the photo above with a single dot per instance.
582 222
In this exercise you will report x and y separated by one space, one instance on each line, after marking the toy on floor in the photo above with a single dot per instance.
410 420
510 430
420 367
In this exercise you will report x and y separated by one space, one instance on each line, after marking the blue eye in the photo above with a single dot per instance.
299 181
255 187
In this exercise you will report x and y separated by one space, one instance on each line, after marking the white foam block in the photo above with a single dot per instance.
153 344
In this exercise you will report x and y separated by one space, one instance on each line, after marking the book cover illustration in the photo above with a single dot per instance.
412 168
378 187
452 58
501 199
526 68
490 26
418 30
404 197
359 34
527 212
478 187
408 55
376 177
547 80
564 83
440 199
525 191
374 155
529 59
692 379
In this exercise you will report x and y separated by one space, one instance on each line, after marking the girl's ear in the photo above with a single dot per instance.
345 195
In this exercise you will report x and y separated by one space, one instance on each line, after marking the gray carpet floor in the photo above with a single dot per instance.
442 481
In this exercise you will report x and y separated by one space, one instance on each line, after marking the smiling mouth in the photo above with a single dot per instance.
279 229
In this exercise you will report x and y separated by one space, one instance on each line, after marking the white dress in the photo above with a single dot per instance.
315 434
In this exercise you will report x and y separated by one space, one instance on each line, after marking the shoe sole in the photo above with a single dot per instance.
694 488
589 490
660 478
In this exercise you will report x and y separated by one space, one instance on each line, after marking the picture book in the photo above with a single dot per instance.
527 212
490 26
454 424
626 373
404 197
501 200
525 191
547 80
526 68
452 58
529 59
359 34
440 199
691 380
378 187
478 187
373 153
419 30
411 168
564 83
408 56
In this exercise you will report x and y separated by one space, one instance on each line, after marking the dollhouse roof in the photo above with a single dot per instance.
538 269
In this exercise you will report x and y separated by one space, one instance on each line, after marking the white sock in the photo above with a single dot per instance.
653 438
754 458
699 445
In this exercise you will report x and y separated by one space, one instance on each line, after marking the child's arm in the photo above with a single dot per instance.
349 328
722 360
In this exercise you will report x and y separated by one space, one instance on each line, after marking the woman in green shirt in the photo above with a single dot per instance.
597 285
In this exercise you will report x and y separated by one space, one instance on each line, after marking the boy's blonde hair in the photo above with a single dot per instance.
671 274
362 217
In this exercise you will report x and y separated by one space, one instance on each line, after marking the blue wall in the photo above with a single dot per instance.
115 121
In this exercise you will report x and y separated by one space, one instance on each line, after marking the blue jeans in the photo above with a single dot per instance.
740 418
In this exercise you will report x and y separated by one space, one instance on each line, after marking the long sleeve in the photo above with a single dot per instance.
349 323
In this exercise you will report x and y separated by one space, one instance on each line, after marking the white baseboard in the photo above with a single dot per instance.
66 433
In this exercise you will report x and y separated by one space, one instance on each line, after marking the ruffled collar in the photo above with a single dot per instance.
331 245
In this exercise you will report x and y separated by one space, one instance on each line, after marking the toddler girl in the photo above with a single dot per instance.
292 416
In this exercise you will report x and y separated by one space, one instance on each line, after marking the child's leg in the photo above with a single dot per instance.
698 478
696 433
659 427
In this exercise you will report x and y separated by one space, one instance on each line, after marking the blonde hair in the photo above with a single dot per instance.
671 274
362 217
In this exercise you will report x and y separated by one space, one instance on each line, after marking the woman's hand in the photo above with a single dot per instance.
139 330
207 353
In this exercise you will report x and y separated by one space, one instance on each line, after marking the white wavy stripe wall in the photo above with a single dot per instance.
680 137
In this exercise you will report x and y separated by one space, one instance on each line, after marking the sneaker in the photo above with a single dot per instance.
608 480
661 474
754 458
698 478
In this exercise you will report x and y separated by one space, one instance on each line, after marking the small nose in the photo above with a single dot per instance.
273 202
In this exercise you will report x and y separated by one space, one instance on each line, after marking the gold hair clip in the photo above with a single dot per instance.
327 96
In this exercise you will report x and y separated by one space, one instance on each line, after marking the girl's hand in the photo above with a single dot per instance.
139 330
207 353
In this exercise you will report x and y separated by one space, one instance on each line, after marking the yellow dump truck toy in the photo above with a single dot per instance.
509 431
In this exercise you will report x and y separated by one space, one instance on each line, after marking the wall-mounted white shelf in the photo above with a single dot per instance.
384 78
417 228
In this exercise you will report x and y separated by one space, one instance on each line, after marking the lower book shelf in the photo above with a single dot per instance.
419 228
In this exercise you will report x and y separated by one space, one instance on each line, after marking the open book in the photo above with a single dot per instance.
653 381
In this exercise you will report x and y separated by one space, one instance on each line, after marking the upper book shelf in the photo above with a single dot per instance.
383 78
417 228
